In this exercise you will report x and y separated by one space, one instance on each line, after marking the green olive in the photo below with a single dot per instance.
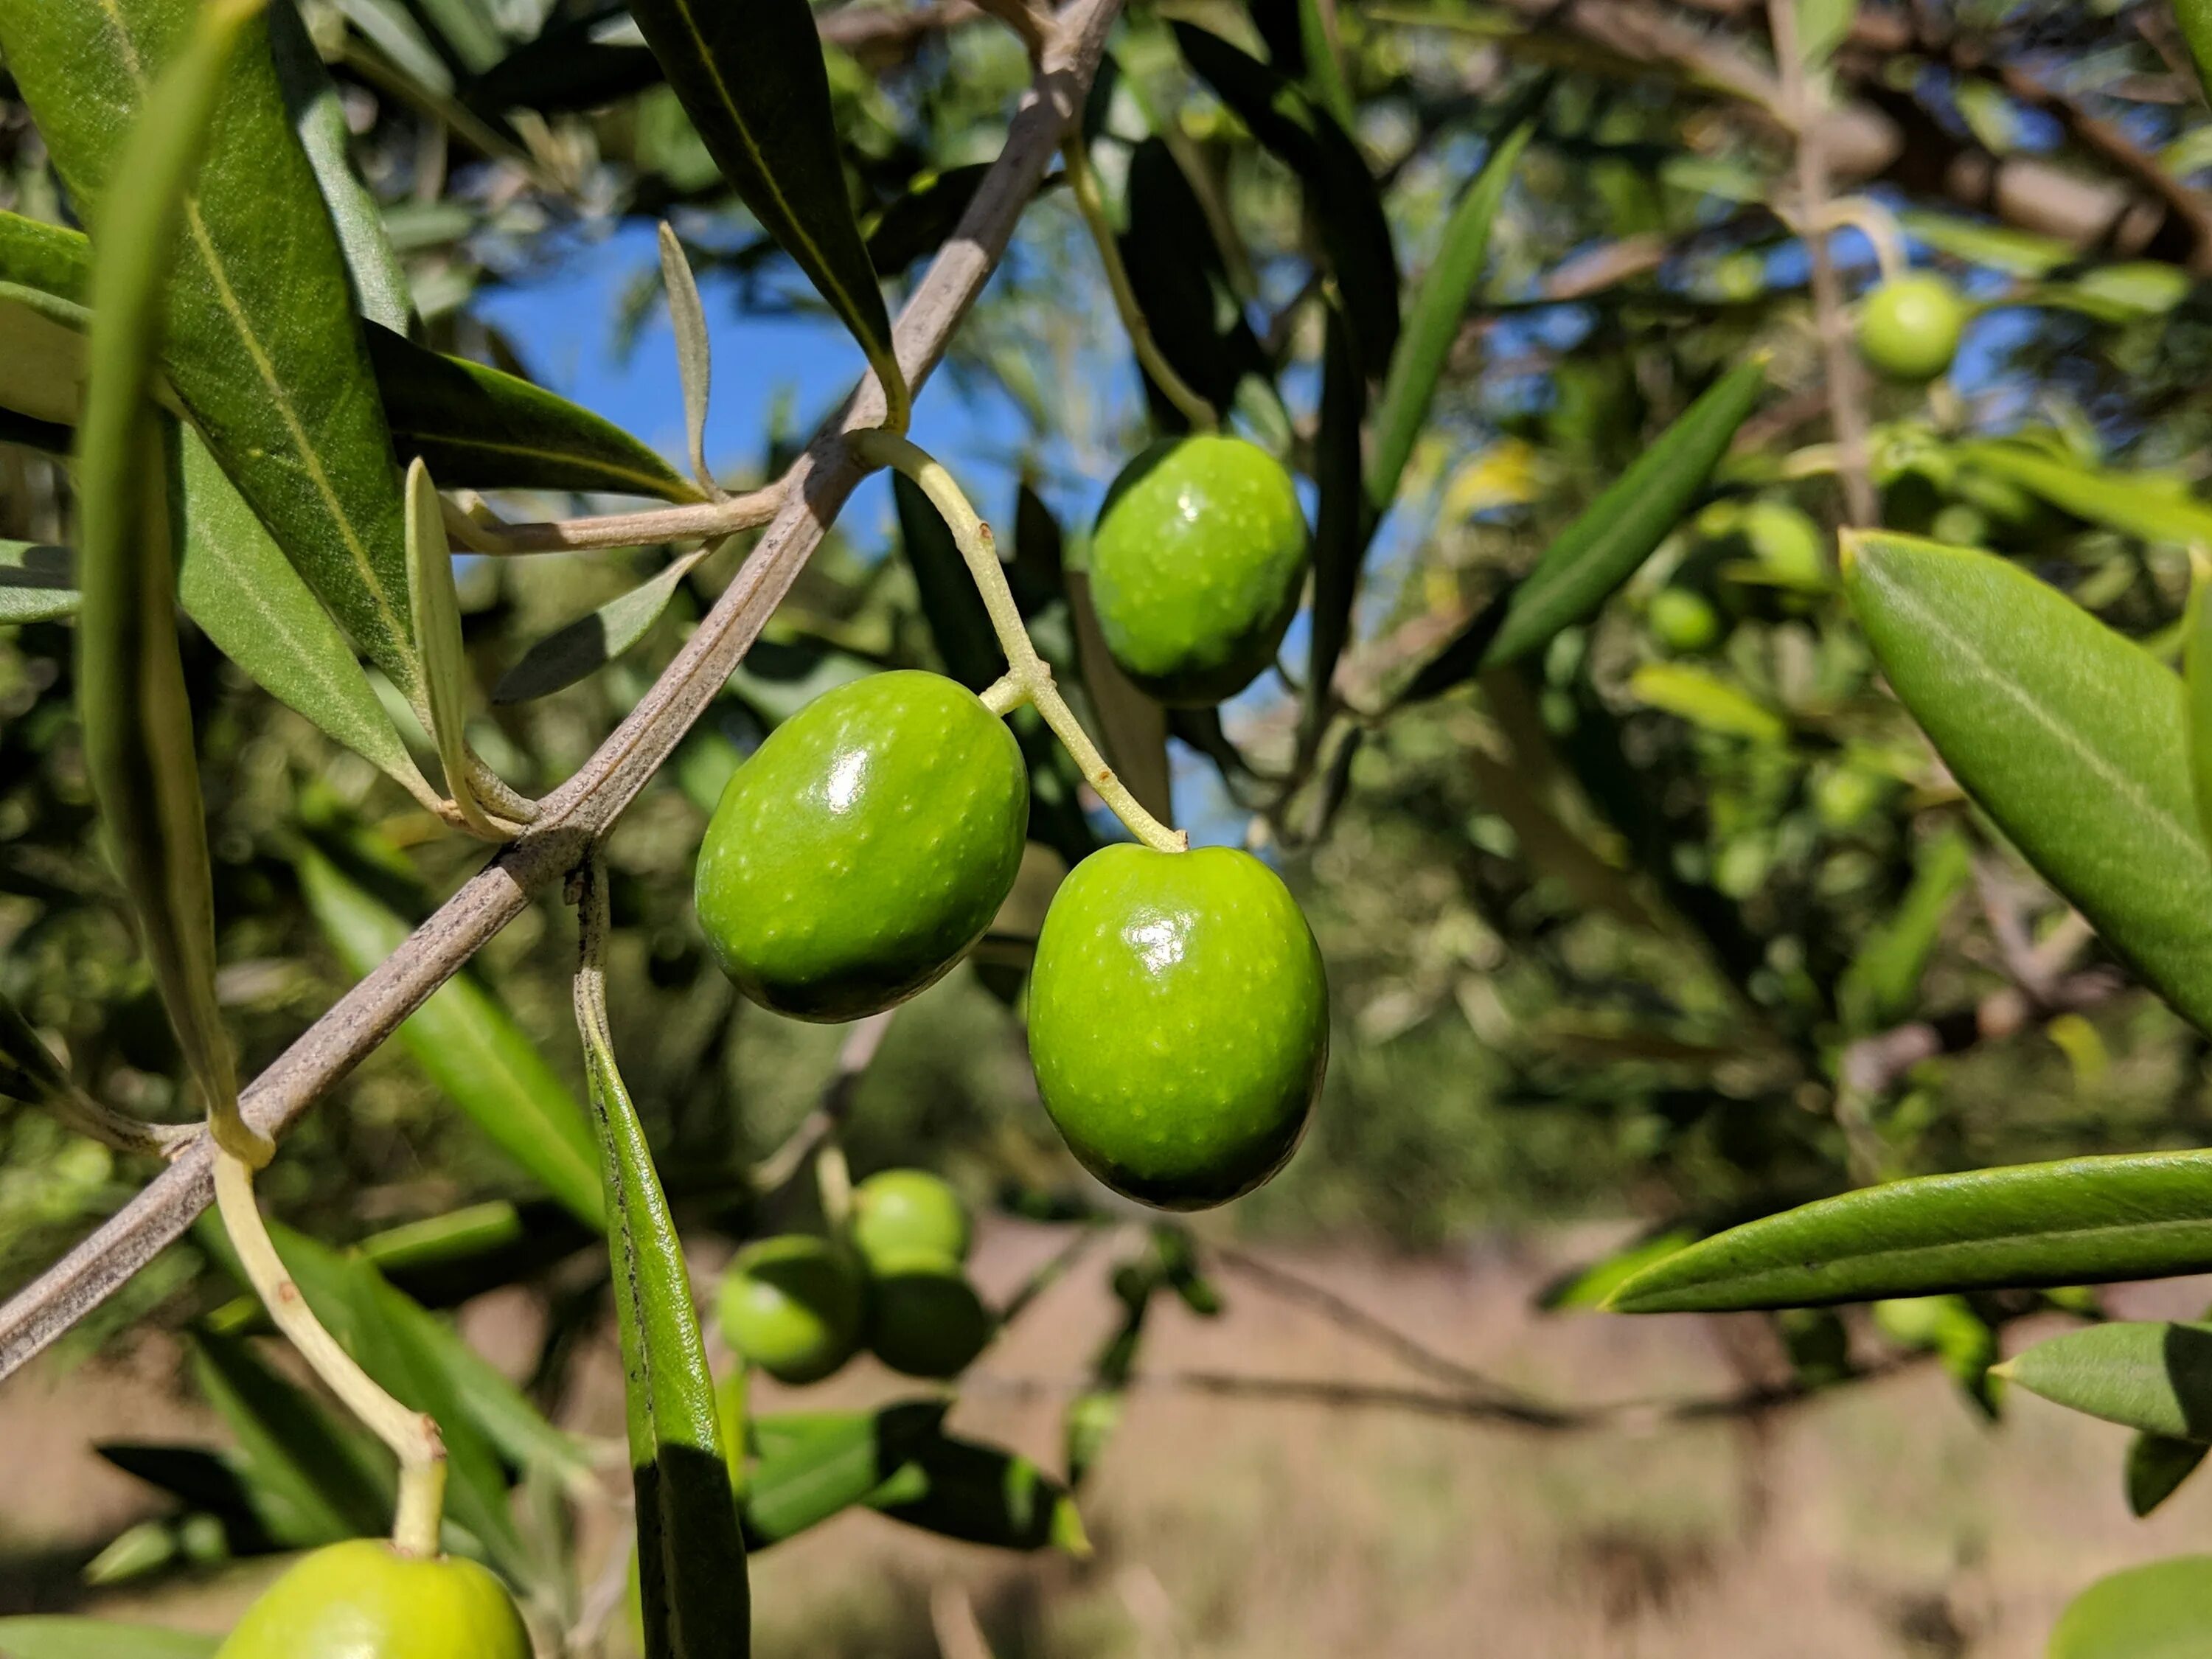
1908 327
1684 621
864 847
905 1210
1178 1021
363 1599
924 1317
793 1306
1195 566
1787 542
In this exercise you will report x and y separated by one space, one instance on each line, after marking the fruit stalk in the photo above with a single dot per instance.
1085 184
1030 675
412 1435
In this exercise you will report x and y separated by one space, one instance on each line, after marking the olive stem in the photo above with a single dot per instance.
412 1435
1085 184
1003 695
1028 672
833 1178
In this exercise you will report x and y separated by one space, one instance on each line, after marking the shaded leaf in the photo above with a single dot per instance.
314 1480
468 1045
984 1495
1342 522
1341 192
434 608
1133 729
2156 1468
694 357
959 623
752 81
1438 305
917 223
2071 737
1883 983
2156 509
29 1069
1183 287
262 343
138 738
820 1464
2158 1612
591 641
2080 1221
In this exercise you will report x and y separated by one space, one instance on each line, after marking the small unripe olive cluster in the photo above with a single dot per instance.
1177 1007
799 1306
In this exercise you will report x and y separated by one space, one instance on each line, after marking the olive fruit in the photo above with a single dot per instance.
1908 326
1786 542
1195 566
1683 621
863 847
793 1306
363 1599
924 1317
896 1210
1178 1018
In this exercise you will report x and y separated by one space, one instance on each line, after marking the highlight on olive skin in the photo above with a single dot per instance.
363 1599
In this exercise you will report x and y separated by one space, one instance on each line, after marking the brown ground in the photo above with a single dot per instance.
1883 1520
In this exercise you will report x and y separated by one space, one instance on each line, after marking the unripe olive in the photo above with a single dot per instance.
1178 1018
924 1317
1908 326
1684 621
909 1210
363 1599
864 847
793 1306
1195 566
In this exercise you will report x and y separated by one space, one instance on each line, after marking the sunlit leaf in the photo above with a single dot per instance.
2152 1378
37 582
2158 1612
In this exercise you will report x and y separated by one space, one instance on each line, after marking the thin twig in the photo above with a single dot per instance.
570 818
699 520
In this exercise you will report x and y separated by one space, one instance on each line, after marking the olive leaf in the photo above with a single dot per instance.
1341 192
2153 509
918 223
435 610
263 348
1133 729
314 1478
690 1550
37 582
983 1495
2196 682
818 1464
39 1636
695 358
2158 1612
2156 1467
1438 305
1604 545
752 81
1181 286
2080 1221
2195 17
42 358
379 287
467 1044
1879 986
2152 1378
138 738
958 624
1342 522
2073 740
1704 698
591 641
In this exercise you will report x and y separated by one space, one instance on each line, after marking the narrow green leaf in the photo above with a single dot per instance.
1588 1287
2159 1611
54 1636
1883 981
2071 737
1601 548
752 81
694 357
1704 698
1324 71
1347 207
234 581
1342 522
821 1464
42 358
314 1480
591 641
37 582
49 260
262 344
379 286
1133 729
984 1495
2156 1468
690 1552
2196 670
1183 286
28 1071
2080 1221
2152 1378
916 224
1438 305
468 1045
959 626
2154 508
137 721
2195 17
434 608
